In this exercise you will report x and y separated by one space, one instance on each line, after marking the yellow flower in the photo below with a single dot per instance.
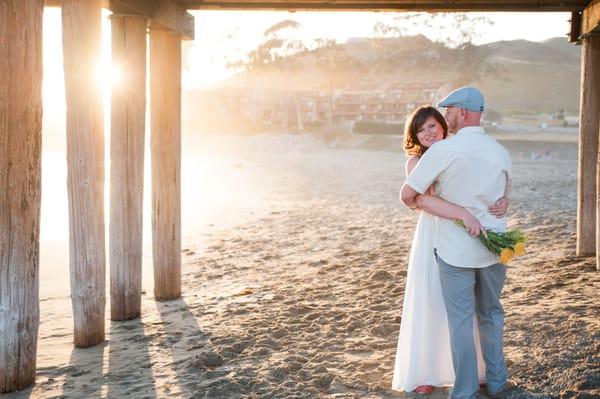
519 248
506 255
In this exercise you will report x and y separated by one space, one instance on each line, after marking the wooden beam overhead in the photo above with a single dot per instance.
590 21
172 17
575 31
350 5
167 15
145 8
388 5
162 15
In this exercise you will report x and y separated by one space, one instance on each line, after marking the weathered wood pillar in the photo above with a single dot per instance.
20 188
589 118
165 145
128 117
590 112
81 21
598 203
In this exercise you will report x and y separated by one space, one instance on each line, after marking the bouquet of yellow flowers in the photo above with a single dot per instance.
506 245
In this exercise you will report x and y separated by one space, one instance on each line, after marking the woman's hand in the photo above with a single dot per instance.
499 207
472 224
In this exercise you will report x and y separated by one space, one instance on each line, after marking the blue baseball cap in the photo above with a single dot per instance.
464 97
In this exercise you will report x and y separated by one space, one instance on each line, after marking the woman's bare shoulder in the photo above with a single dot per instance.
411 162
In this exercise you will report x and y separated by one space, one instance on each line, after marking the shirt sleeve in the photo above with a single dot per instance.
508 172
429 167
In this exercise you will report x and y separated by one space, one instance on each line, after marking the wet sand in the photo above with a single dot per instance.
300 296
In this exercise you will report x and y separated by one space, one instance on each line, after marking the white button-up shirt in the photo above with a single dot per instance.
472 170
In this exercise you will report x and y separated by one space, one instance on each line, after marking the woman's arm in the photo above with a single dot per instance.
411 163
407 194
436 206
500 207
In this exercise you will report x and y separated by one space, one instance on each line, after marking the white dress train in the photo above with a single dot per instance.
423 356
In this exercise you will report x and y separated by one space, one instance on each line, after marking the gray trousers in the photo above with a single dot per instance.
468 291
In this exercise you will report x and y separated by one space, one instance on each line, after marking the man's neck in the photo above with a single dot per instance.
472 124
470 128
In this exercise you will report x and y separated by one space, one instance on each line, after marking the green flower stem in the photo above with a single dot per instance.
497 241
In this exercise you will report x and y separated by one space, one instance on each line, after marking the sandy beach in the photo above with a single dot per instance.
294 266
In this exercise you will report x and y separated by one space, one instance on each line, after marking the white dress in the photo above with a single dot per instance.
423 356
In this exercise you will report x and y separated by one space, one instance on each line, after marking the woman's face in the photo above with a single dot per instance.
430 132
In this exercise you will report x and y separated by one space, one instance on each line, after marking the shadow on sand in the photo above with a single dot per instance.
84 374
129 366
199 370
129 362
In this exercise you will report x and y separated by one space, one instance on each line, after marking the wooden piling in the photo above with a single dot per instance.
589 123
165 145
81 21
20 188
128 114
589 118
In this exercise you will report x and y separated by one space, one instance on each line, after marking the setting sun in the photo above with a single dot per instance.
108 76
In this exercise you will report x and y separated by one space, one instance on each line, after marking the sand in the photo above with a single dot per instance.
299 296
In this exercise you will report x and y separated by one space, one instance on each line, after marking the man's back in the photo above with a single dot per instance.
471 170
477 175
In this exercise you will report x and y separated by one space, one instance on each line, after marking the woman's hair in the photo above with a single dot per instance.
415 120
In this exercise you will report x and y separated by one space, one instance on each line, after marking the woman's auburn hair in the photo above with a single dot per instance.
415 120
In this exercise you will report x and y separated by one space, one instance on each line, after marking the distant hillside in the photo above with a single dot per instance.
549 52
523 76
534 77
560 43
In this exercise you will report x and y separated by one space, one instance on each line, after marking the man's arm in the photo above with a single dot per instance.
423 174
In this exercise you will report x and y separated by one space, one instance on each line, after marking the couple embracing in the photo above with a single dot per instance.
452 324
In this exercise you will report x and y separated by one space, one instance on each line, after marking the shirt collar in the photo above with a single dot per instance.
471 129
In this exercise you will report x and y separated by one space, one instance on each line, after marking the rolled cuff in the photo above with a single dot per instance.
415 186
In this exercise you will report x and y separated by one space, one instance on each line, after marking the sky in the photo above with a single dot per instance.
222 35
225 36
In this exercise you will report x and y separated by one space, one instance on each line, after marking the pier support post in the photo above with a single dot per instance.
20 189
128 117
165 145
590 114
81 21
589 121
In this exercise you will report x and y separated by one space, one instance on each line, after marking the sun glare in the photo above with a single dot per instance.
107 76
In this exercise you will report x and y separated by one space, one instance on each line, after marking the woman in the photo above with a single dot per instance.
423 357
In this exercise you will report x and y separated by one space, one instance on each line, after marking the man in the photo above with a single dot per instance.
472 170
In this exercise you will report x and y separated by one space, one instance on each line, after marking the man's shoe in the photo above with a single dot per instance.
501 394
